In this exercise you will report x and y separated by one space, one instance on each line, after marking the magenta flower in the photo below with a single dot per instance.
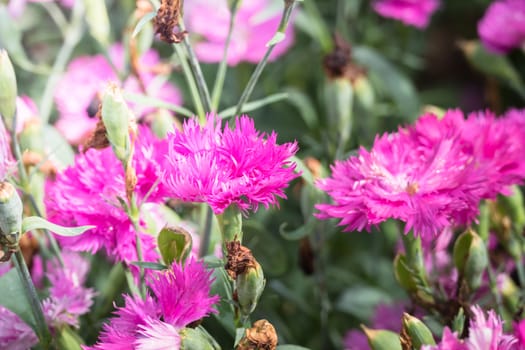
7 162
431 175
68 298
88 193
414 13
15 334
77 93
519 333
449 341
232 166
180 297
255 24
502 27
16 7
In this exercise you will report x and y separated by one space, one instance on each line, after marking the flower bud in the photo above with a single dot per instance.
195 339
339 98
161 122
250 285
174 244
363 91
117 117
510 292
32 137
408 278
11 209
8 89
470 258
417 331
380 339
513 206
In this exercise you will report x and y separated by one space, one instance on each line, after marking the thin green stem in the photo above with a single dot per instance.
206 236
196 69
56 14
191 83
134 216
42 330
73 34
223 65
494 288
288 7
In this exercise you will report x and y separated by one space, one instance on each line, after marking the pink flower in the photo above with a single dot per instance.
431 175
449 341
232 166
7 162
181 296
14 333
415 13
68 298
519 333
17 7
255 24
502 27
88 193
77 93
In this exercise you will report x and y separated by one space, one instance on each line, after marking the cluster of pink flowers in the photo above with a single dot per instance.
89 193
502 28
77 93
485 332
180 297
415 13
68 300
431 175
237 166
255 24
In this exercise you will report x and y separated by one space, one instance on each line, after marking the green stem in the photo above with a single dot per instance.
494 287
42 331
414 256
196 69
134 215
191 84
73 34
223 66
288 7
206 236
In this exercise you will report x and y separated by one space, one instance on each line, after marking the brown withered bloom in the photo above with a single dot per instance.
167 21
99 138
338 63
239 259
262 336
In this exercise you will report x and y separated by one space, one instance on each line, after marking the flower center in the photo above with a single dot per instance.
412 188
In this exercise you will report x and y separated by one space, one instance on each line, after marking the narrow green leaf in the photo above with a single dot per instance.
13 297
150 265
68 339
239 333
145 19
36 223
174 244
98 20
157 103
213 262
252 106
298 233
306 174
306 109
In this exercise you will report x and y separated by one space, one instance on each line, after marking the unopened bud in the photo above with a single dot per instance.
470 258
363 91
339 101
250 286
174 244
11 209
8 89
417 331
513 206
410 279
380 339
195 339
32 137
261 336
117 118
161 122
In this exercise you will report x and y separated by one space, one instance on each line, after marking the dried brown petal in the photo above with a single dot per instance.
338 63
99 138
262 336
239 259
167 21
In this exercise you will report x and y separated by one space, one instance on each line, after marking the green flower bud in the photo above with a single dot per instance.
417 331
339 98
32 137
174 244
196 339
117 117
470 258
11 209
250 285
161 122
513 206
380 339
408 278
510 292
8 89
363 91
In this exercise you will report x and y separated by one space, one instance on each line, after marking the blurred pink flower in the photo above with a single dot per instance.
17 7
68 298
15 334
449 341
77 93
7 162
502 27
232 166
414 13
181 296
88 193
255 24
431 175
519 333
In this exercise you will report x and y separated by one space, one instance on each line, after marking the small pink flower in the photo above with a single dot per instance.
181 296
502 27
7 162
255 24
14 333
415 13
88 193
486 332
236 165
78 92
449 341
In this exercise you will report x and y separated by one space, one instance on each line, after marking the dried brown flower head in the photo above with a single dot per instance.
99 138
239 259
262 336
167 21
